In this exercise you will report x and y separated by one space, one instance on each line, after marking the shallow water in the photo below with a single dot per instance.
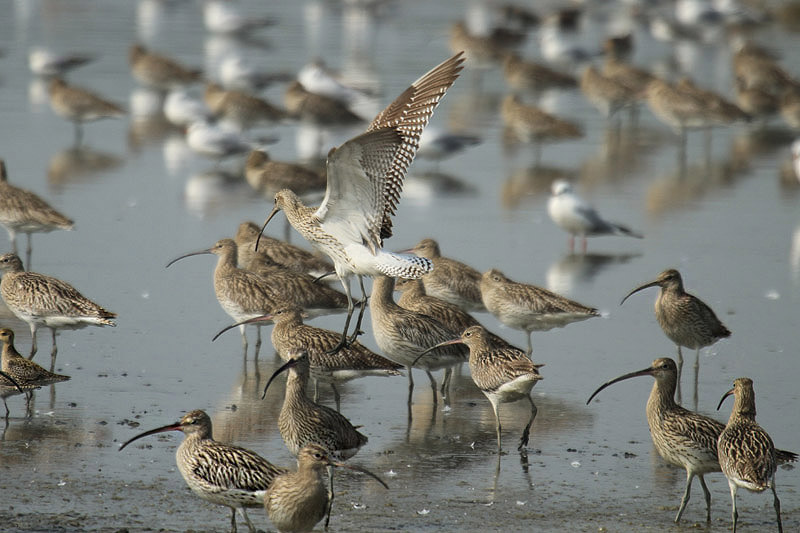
729 222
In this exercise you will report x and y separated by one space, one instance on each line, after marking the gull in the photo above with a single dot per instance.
182 109
576 217
365 178
224 18
216 142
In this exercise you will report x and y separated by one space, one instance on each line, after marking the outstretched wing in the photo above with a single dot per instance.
408 115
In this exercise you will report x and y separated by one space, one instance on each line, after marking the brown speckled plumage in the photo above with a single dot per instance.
267 176
365 178
317 108
528 307
158 71
683 317
239 107
450 280
746 452
530 124
79 105
42 300
302 422
523 75
277 251
25 372
219 473
22 211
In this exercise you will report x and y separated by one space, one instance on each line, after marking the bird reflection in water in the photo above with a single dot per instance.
582 269
79 165
524 184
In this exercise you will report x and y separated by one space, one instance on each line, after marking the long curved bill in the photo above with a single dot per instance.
637 289
445 343
12 382
287 365
200 252
262 318
170 427
644 372
362 470
272 214
729 393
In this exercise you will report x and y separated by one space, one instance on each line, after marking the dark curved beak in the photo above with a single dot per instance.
201 252
170 427
729 393
637 289
263 318
287 365
445 343
272 214
644 372
362 470
12 381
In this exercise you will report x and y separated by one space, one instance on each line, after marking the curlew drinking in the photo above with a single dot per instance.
219 473
22 211
504 374
576 217
746 452
528 307
297 501
42 300
365 178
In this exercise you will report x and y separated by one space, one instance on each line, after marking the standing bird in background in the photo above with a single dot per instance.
23 211
219 473
80 105
365 178
746 452
576 217
42 300
683 317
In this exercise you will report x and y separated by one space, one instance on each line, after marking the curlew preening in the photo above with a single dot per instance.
219 473
365 178
42 300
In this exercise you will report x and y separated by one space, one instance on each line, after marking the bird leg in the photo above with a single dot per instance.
244 340
777 504
330 497
233 519
33 341
7 411
496 409
433 386
78 134
28 252
54 351
526 432
446 378
734 514
337 398
680 370
363 303
350 308
258 342
686 495
696 376
247 519
530 345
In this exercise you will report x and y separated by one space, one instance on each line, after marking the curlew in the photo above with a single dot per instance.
683 438
524 75
244 294
22 211
268 176
25 373
317 108
240 108
606 94
402 335
351 362
414 298
746 453
302 422
297 501
529 124
683 317
365 178
271 251
158 71
576 217
42 300
504 374
450 280
528 307
80 105
219 473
